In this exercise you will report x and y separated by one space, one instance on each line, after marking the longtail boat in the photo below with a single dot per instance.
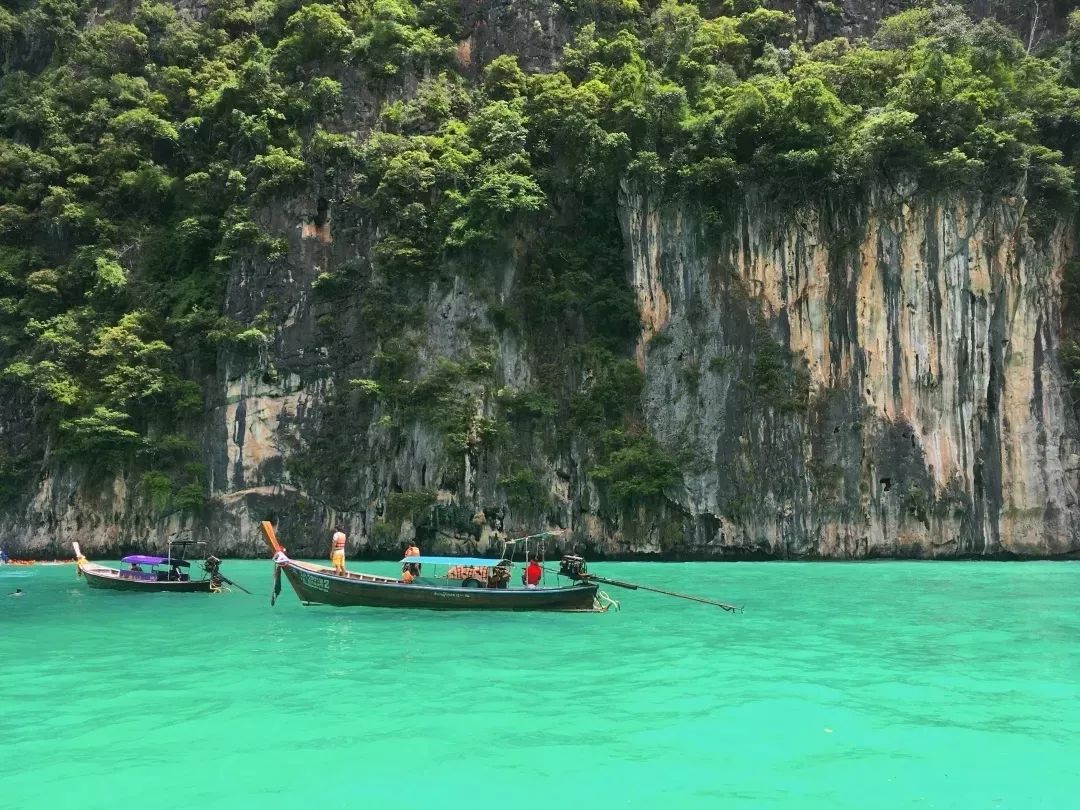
470 583
148 573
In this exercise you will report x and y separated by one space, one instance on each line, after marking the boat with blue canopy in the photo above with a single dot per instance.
461 583
435 583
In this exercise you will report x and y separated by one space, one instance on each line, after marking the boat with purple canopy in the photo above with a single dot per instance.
144 572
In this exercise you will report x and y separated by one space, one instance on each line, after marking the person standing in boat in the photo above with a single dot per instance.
533 573
337 551
412 551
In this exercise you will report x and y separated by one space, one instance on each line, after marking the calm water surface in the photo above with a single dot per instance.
947 685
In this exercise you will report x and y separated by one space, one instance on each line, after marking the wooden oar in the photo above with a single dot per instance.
630 586
276 548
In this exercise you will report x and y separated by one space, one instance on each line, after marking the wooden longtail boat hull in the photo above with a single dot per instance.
96 579
111 579
315 586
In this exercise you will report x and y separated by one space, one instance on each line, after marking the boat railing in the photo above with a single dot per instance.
322 569
362 577
140 576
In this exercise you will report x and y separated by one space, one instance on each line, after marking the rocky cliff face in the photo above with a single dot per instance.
877 380
857 378
935 422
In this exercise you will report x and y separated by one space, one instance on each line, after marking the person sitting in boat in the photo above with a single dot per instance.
499 577
136 567
533 573
407 576
337 551
413 550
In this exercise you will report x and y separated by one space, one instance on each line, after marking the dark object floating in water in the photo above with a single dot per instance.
148 573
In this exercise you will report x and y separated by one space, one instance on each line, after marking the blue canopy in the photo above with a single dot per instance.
142 559
479 562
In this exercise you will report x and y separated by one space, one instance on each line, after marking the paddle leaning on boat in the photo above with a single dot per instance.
149 573
457 583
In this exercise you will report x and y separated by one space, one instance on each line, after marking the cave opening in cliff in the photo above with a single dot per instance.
321 212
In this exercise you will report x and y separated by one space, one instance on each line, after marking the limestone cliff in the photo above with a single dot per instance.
871 374
923 413
936 420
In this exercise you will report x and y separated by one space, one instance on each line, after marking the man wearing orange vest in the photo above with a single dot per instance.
337 552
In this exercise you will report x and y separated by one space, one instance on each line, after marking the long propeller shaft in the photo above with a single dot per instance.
632 586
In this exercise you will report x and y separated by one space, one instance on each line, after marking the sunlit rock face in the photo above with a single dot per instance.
876 379
935 424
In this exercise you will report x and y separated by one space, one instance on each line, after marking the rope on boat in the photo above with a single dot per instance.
604 602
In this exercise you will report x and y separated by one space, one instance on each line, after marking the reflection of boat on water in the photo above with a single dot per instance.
486 588
148 573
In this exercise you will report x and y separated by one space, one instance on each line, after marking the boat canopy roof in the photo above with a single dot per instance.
142 559
480 562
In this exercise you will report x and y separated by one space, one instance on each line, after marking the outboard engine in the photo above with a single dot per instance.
212 565
573 567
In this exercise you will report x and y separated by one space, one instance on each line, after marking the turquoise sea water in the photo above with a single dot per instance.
876 685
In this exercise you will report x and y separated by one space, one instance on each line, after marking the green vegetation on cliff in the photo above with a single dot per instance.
139 150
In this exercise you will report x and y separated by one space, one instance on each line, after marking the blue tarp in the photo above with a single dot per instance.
480 562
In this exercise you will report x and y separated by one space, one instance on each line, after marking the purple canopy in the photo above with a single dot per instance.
142 559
